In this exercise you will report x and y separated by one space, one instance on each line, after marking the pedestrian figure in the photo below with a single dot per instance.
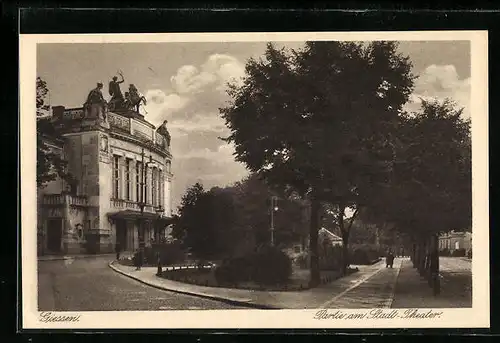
118 250
138 259
389 260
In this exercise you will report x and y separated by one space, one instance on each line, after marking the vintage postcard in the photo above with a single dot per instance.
255 180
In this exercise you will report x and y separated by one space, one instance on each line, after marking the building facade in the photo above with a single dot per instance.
454 240
121 190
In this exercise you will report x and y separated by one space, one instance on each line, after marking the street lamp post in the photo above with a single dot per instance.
274 208
142 204
159 211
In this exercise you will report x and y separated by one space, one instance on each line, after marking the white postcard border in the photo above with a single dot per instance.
477 316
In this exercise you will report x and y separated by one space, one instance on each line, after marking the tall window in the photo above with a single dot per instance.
160 187
153 186
128 180
116 177
146 199
138 173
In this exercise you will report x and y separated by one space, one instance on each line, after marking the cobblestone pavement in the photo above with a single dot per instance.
90 285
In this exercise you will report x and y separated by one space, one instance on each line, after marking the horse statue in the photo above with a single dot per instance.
133 99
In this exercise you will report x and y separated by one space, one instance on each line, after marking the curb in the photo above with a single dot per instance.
205 296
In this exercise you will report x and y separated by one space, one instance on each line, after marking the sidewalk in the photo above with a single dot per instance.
413 291
333 295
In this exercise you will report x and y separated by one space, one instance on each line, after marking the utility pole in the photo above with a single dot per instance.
141 204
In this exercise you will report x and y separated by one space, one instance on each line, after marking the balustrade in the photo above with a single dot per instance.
62 199
130 205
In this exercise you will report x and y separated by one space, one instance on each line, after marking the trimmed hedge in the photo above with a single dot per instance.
268 266
170 253
363 254
458 253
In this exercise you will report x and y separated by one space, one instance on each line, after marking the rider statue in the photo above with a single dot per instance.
115 91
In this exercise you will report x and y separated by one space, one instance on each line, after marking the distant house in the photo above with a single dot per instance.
327 236
324 237
455 240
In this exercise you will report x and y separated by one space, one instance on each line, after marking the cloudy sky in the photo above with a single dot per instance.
185 84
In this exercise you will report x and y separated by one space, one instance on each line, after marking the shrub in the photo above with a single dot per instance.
363 254
444 252
271 266
469 253
233 270
301 261
331 258
170 253
268 265
459 252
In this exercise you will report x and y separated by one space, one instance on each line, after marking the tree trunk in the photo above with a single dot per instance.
313 243
345 240
345 253
413 253
421 258
434 265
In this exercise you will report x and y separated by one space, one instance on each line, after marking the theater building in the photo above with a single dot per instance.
112 156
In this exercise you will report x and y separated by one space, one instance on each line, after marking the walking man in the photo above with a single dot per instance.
389 260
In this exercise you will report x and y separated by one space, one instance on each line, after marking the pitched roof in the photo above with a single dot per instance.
330 234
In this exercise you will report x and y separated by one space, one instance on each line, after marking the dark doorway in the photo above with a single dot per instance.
121 234
54 235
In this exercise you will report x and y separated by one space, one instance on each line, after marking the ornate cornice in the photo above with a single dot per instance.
127 137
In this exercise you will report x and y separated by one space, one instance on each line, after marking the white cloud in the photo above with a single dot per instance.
210 122
160 105
440 82
191 108
217 70
223 153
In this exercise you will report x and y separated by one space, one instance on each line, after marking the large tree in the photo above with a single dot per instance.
319 121
205 222
253 201
431 184
49 163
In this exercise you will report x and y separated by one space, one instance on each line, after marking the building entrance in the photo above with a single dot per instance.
121 234
54 235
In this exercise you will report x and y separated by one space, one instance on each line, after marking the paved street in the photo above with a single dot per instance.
90 285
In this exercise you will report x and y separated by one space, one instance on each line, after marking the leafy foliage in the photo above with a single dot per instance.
252 200
205 221
320 121
431 189
50 164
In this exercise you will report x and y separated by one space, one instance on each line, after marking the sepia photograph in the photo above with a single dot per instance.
182 175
